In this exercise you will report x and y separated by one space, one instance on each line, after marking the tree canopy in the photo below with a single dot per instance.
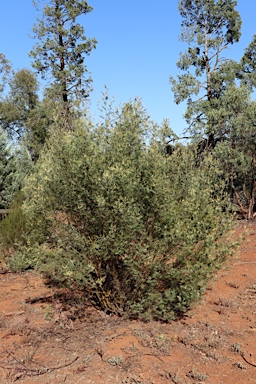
209 27
61 48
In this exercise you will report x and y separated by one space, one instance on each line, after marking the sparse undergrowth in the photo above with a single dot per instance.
40 322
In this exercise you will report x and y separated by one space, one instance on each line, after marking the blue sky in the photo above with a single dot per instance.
137 50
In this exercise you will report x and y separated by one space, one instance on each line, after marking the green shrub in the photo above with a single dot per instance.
13 227
138 231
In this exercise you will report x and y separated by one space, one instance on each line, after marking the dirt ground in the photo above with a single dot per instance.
48 339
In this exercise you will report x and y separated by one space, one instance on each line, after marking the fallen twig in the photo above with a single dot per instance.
39 299
25 371
149 354
248 362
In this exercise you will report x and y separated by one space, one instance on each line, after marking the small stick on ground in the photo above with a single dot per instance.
248 362
26 371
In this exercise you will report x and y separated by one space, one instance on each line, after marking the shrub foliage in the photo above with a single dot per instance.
13 233
138 231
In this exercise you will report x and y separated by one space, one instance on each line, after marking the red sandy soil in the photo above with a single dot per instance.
47 339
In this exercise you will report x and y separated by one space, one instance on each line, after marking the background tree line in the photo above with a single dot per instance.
220 111
118 208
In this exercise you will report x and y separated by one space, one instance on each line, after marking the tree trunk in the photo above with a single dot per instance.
252 194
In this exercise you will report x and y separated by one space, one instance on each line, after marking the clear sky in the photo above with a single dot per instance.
137 49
